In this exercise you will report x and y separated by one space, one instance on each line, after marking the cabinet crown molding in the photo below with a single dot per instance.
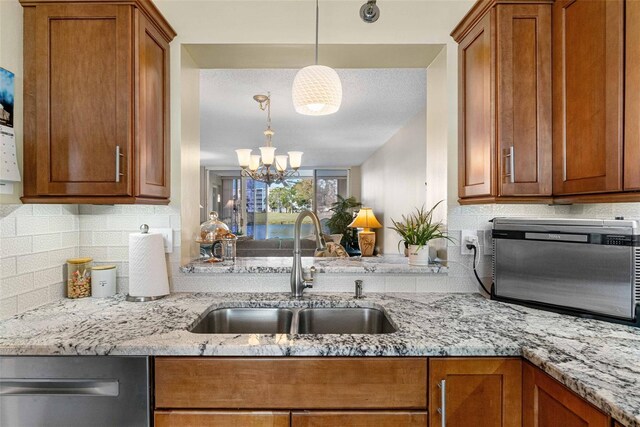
479 9
146 6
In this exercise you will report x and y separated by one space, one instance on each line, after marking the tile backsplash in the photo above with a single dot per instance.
36 241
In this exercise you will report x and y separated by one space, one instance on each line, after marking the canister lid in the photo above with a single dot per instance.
103 267
79 260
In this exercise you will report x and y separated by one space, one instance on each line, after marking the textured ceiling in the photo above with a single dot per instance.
375 104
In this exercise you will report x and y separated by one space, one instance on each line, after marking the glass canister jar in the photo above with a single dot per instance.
79 277
229 248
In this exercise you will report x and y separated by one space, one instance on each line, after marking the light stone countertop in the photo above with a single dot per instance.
599 361
386 264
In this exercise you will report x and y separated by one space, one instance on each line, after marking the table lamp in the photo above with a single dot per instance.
366 220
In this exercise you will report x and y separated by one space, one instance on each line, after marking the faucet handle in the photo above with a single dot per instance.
308 281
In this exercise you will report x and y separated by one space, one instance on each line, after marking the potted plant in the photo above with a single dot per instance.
342 216
417 230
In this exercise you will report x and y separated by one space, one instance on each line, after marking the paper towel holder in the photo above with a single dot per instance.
144 229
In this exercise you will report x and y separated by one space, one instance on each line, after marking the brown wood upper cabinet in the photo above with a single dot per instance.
96 86
504 61
632 97
547 403
588 71
475 392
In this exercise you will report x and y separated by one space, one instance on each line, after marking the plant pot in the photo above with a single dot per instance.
418 255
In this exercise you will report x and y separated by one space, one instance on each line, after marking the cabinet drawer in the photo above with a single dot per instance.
359 419
220 419
291 383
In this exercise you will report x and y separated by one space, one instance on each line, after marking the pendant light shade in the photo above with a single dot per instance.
317 91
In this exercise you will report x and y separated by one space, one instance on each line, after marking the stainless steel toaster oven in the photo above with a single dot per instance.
588 267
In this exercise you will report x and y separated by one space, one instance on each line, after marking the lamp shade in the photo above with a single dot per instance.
254 163
244 157
268 154
281 163
295 159
317 91
365 219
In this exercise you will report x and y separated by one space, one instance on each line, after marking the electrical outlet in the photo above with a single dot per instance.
468 236
167 235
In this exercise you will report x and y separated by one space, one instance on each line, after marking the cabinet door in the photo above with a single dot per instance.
359 419
220 419
524 106
632 98
476 131
547 403
588 40
152 106
475 392
83 75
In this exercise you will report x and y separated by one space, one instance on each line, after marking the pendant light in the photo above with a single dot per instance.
317 90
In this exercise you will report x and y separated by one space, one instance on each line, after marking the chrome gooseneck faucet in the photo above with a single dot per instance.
298 280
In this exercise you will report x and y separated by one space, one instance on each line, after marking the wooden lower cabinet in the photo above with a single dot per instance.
547 403
475 391
221 419
291 383
359 419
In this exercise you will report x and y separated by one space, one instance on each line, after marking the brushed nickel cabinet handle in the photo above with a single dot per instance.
442 410
118 155
512 165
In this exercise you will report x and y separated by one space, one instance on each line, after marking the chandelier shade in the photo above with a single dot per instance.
317 91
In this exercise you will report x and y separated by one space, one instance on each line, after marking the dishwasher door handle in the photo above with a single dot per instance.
63 387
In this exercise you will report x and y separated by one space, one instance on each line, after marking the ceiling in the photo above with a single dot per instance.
376 104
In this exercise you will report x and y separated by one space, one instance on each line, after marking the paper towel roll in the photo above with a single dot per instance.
147 265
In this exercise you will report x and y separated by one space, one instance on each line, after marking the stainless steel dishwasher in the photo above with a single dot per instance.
69 391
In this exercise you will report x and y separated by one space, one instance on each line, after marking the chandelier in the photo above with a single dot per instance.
266 166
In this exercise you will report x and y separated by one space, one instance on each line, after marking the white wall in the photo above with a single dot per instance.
393 179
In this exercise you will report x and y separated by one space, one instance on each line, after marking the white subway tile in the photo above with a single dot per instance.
61 223
48 276
7 227
8 267
46 242
33 299
118 253
107 238
400 284
32 262
57 291
16 285
60 256
69 239
86 238
46 210
123 223
98 253
30 225
15 246
8 307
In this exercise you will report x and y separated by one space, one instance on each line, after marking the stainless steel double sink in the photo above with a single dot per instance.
351 320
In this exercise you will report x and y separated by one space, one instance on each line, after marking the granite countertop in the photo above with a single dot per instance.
599 361
386 264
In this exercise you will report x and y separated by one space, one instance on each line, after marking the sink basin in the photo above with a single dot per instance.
245 321
353 320
343 321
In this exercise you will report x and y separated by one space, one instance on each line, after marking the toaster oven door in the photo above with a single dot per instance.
593 278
